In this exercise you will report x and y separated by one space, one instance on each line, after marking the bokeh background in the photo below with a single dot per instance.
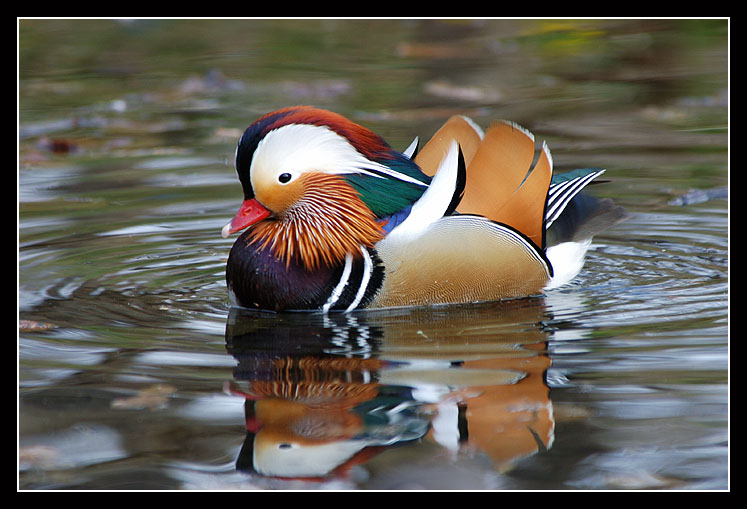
126 134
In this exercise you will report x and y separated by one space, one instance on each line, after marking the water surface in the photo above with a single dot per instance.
135 374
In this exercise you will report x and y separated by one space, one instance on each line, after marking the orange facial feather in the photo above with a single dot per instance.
327 221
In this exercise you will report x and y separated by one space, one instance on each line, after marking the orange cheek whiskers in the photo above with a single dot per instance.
326 223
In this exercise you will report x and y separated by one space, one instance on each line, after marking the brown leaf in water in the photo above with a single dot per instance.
33 326
151 398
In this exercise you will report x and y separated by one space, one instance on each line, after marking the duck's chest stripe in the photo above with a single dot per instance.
366 278
344 279
360 278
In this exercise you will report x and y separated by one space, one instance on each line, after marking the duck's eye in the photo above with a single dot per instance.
284 178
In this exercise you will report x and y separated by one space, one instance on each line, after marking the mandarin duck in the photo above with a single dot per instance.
338 220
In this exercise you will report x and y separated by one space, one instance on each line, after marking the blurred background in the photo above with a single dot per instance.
133 374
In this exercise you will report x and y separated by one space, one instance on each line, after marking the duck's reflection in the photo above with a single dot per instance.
324 393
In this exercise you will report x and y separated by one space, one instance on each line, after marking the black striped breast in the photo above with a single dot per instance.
257 279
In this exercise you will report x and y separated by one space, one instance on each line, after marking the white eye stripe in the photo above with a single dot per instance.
375 169
299 148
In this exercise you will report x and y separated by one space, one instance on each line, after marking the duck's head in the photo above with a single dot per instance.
317 185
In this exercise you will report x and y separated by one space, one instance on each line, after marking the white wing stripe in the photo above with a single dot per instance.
561 194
